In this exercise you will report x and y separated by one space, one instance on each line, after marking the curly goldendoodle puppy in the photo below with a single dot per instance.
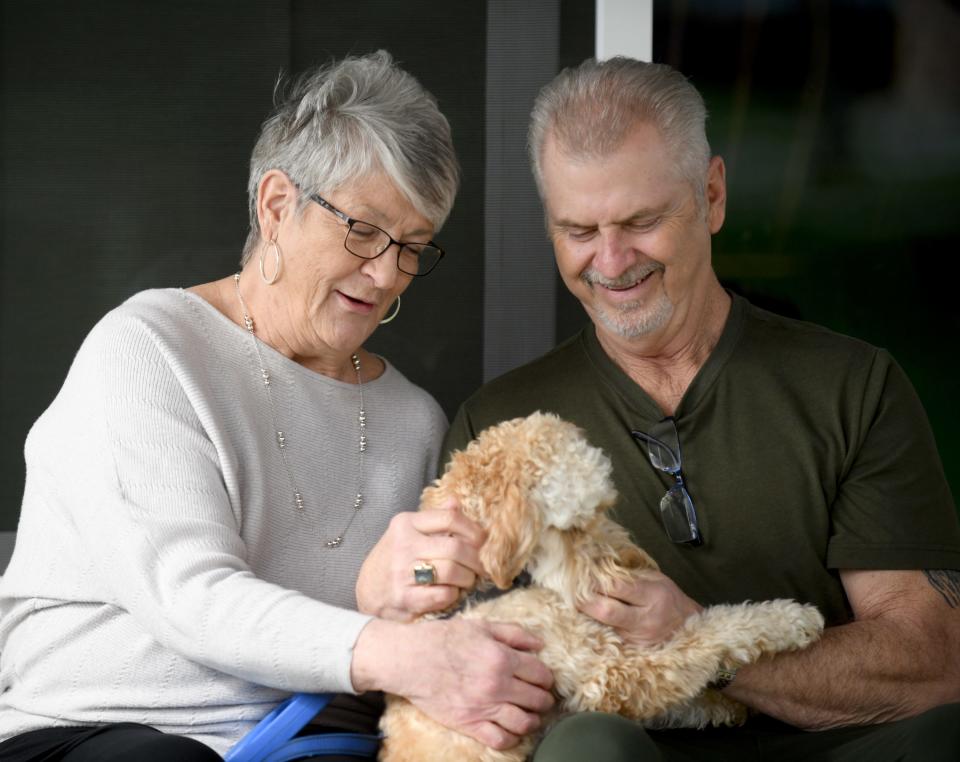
541 491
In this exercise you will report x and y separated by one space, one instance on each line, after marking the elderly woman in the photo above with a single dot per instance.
214 506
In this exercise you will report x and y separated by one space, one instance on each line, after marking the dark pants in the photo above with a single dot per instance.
122 741
930 737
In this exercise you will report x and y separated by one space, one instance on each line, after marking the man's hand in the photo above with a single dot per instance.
645 611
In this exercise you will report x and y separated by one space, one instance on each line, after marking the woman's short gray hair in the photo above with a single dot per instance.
590 109
347 119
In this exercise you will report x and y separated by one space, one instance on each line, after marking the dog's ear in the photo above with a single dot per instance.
512 532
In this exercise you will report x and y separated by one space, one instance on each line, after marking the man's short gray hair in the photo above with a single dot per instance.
342 121
589 111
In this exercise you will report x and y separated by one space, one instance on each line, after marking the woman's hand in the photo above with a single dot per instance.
478 678
443 537
645 611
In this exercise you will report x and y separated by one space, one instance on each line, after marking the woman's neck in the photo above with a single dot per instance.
268 328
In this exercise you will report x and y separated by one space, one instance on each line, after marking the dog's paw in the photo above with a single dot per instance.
805 620
745 631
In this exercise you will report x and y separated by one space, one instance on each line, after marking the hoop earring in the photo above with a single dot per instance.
276 274
396 310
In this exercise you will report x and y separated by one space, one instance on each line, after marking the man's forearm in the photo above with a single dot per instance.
860 673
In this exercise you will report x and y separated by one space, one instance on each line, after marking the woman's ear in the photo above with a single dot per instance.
276 198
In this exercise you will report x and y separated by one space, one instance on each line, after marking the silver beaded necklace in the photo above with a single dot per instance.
298 500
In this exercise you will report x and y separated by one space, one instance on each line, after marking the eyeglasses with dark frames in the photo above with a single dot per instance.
367 241
676 507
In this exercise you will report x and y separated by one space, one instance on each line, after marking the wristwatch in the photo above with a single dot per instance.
723 679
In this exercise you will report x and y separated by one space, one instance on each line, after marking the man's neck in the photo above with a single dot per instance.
665 362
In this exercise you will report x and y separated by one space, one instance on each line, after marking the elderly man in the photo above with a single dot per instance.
804 464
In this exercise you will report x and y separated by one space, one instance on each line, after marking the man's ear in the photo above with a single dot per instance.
276 198
716 194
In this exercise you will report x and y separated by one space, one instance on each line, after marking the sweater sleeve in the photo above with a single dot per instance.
147 494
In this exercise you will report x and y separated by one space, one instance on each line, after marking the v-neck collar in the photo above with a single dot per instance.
637 398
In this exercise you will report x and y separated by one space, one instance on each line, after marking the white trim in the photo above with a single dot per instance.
625 28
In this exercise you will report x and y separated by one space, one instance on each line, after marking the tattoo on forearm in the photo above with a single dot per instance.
947 583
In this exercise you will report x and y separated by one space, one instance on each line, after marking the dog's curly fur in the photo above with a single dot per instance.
540 491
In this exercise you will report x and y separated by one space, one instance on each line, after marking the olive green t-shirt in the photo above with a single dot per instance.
804 452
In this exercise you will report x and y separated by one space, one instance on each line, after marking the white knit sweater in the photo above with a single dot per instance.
162 574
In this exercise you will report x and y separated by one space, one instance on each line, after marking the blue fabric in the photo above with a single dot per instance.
344 744
272 740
